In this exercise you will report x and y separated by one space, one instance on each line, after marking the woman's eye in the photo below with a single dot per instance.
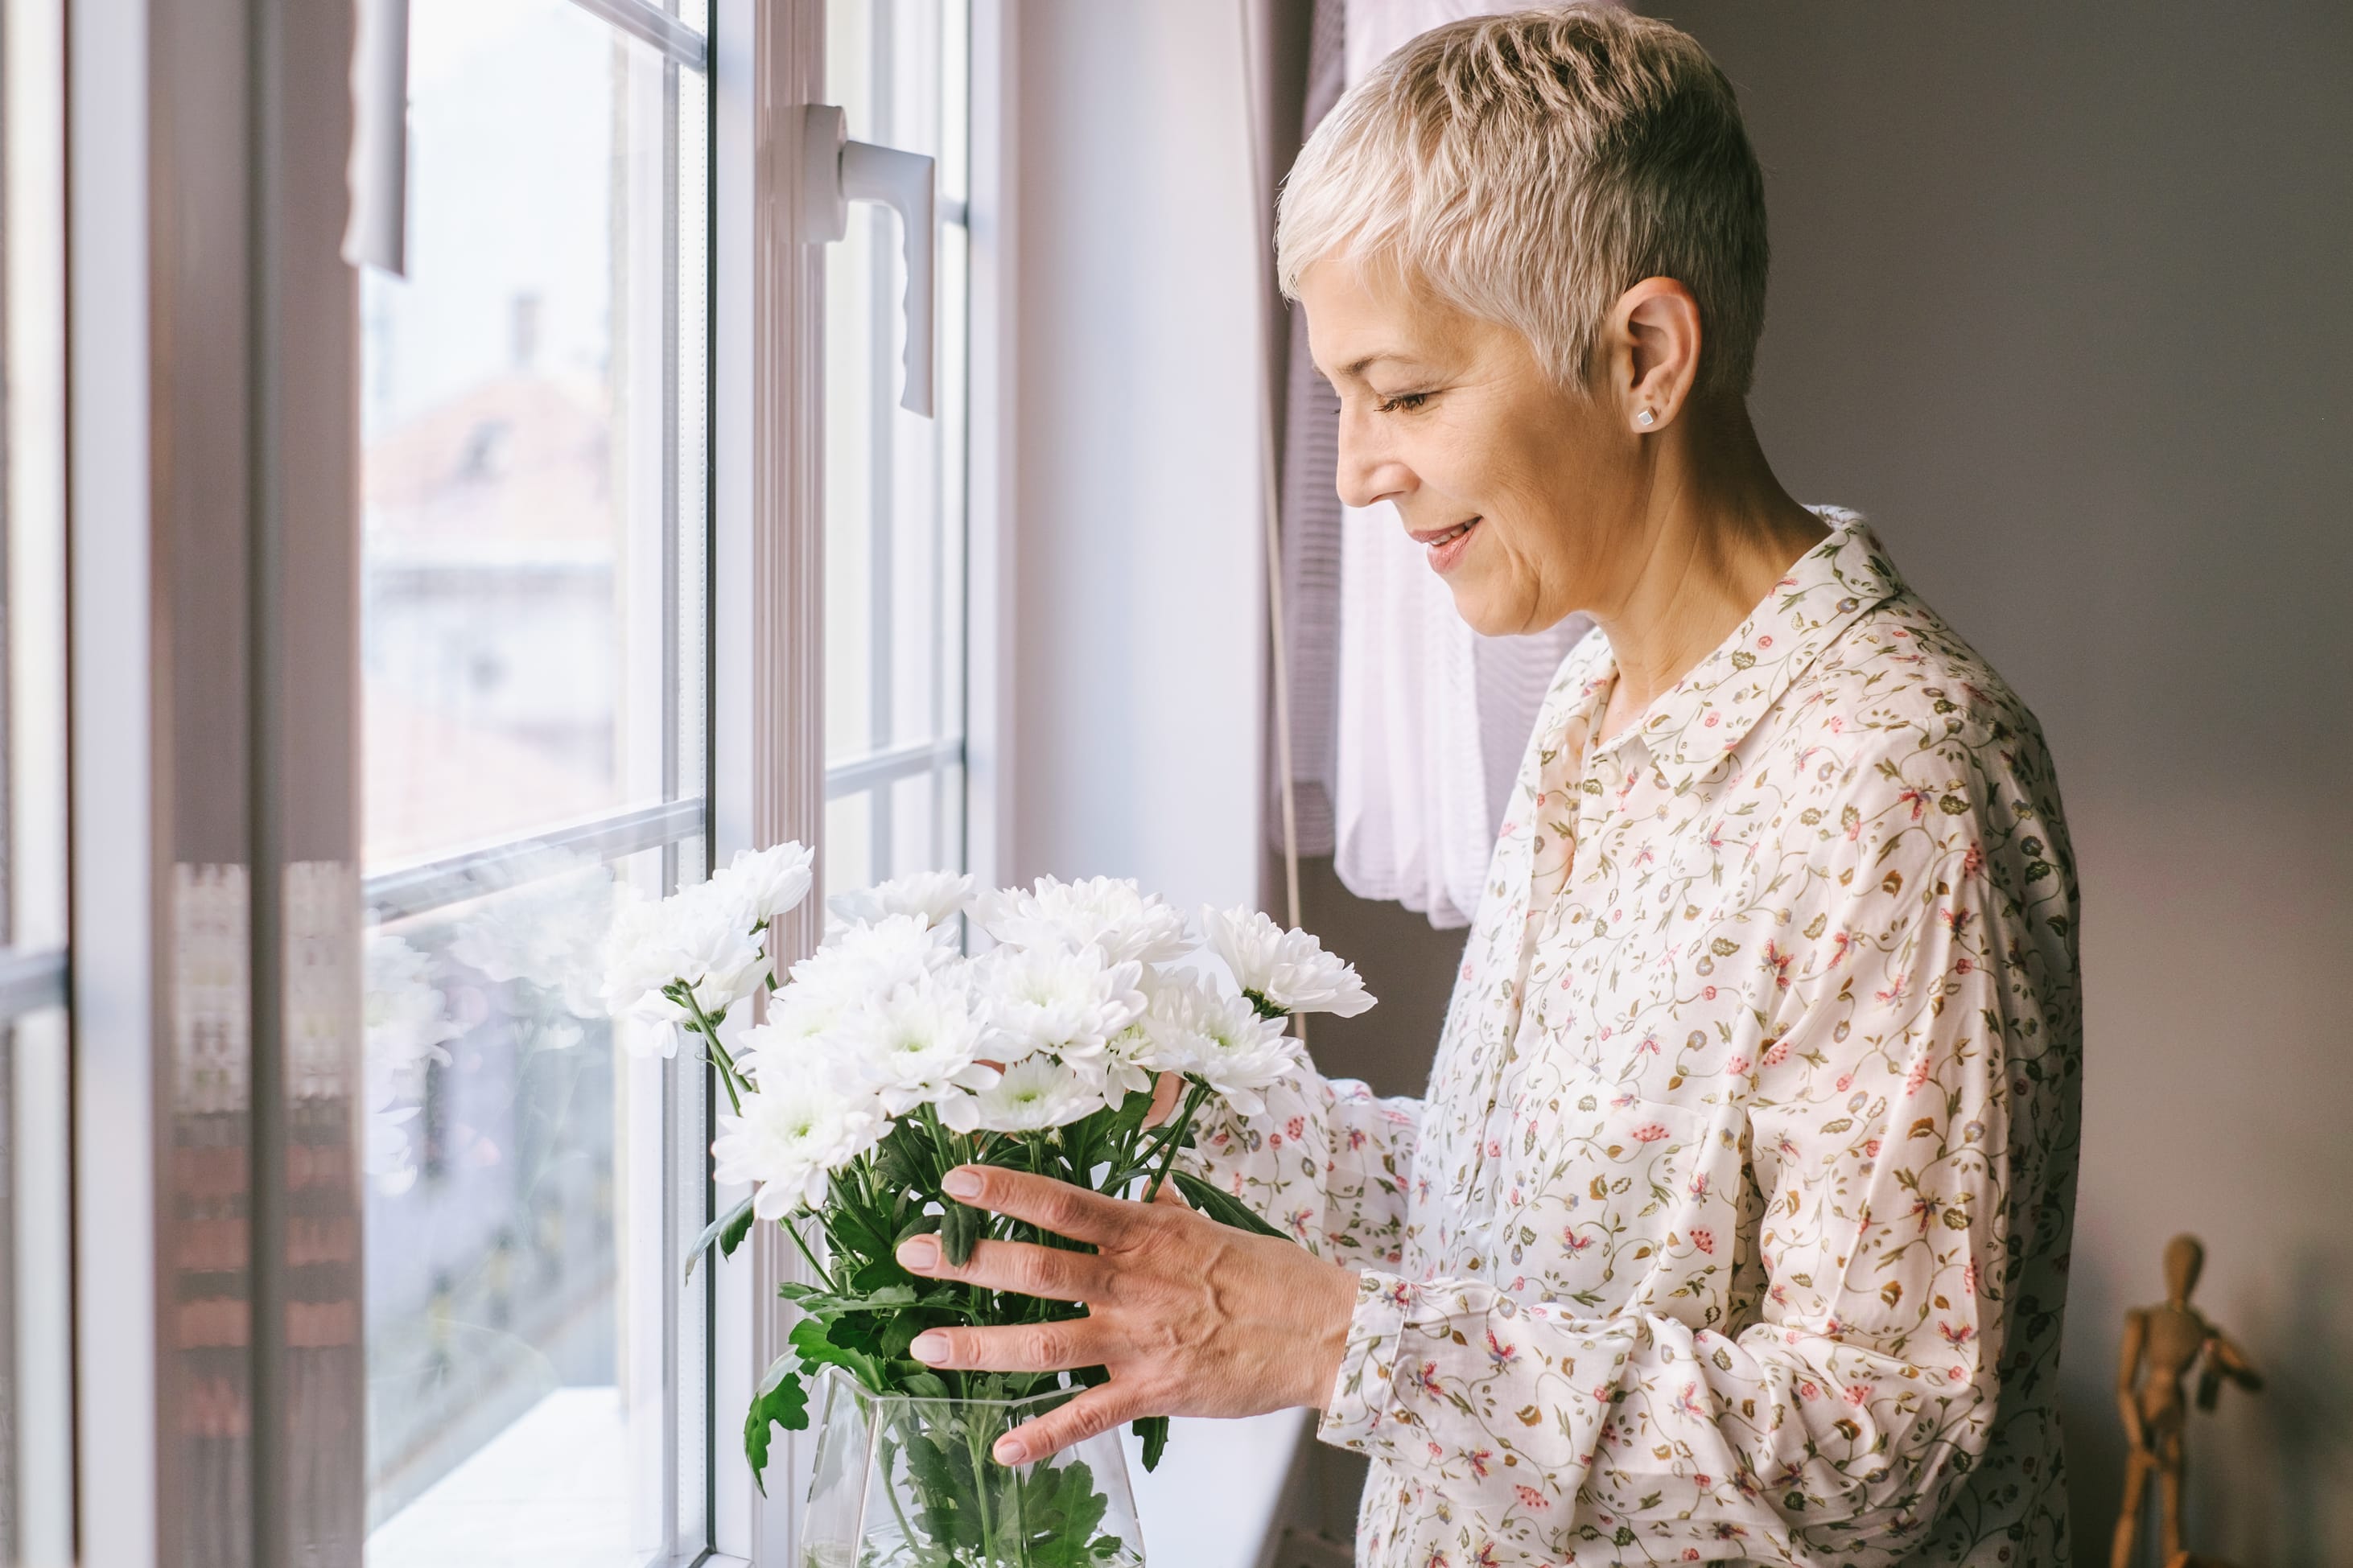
1404 402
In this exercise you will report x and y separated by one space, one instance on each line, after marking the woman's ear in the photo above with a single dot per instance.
1653 352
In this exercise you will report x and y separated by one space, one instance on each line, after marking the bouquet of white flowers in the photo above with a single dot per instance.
889 1058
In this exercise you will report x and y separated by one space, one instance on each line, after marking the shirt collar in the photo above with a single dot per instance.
1691 729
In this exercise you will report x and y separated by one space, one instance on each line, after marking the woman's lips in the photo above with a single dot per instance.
1446 545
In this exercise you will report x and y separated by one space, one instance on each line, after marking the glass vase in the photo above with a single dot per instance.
903 1482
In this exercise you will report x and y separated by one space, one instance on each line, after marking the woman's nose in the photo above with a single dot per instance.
1367 471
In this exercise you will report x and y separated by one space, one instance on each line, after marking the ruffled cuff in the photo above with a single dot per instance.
1363 1407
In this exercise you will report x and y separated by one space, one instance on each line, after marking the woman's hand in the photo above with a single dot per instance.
1166 1090
1191 1316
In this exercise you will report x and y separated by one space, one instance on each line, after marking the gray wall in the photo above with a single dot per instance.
2061 299
1132 535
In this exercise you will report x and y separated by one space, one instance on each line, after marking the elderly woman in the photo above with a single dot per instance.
1733 1225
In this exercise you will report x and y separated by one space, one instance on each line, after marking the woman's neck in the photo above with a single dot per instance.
1716 532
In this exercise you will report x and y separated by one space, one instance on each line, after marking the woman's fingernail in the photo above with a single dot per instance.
930 1349
963 1182
1009 1450
920 1252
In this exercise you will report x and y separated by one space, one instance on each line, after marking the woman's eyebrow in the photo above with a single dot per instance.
1355 370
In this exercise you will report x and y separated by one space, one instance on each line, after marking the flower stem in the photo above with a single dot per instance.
823 1273
1154 1143
717 1053
1183 1125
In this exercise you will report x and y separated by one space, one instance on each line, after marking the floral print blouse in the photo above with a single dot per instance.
1734 1227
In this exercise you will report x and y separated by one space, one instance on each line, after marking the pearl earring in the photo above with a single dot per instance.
1644 418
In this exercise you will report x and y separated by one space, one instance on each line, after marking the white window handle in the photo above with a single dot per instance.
836 172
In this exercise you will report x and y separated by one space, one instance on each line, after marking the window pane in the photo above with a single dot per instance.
894 483
911 824
532 645
536 619
845 863
516 1254
32 476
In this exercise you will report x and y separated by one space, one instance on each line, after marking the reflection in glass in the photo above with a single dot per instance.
534 647
509 1358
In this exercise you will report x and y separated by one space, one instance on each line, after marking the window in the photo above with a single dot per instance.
36 1392
534 663
894 482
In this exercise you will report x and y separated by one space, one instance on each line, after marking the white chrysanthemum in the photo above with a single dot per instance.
405 1027
390 1159
544 923
1219 1040
1037 1094
934 897
810 1019
637 951
1112 914
405 1023
791 1135
917 1047
762 884
696 938
803 1025
1124 1053
1130 1058
874 959
1289 968
1069 1002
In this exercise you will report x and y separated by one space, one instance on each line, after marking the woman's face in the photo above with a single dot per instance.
1524 495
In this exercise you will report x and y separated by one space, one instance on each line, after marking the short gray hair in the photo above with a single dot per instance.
1531 168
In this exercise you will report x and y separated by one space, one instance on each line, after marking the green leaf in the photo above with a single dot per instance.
883 1274
1153 1431
823 1304
809 1337
782 1399
960 1232
925 1385
728 1230
1221 1206
894 1167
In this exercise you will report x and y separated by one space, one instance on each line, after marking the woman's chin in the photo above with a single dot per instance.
1483 611
1501 614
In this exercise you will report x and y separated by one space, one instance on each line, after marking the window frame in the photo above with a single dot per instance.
175 350
36 1471
766 776
769 774
212 592
899 741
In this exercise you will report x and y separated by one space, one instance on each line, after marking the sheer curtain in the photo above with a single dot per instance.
1407 727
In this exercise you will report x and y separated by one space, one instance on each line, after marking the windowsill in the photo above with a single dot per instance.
544 1493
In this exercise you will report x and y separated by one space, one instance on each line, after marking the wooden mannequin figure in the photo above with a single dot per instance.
2161 1344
